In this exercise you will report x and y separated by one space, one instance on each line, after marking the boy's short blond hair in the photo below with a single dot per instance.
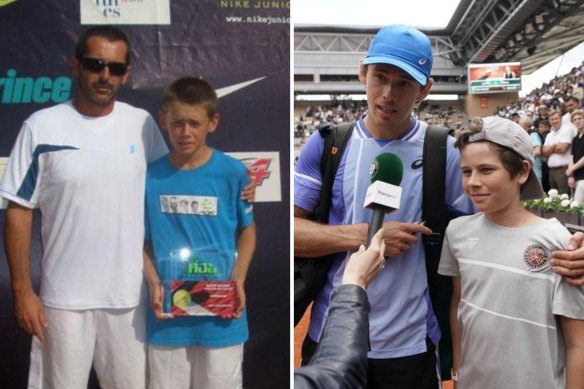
576 112
191 91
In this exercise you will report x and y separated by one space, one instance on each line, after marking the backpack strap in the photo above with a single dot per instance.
335 142
310 274
434 186
436 217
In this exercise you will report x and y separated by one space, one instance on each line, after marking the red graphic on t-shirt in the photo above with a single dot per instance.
535 256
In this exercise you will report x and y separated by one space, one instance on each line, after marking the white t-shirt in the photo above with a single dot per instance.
567 121
87 177
509 298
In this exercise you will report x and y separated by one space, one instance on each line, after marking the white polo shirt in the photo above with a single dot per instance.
563 135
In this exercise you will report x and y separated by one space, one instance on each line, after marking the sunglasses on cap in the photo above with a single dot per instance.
97 65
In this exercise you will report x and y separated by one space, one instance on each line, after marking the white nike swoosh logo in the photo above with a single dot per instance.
234 88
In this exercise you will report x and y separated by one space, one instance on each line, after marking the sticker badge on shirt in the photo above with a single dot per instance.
189 205
536 256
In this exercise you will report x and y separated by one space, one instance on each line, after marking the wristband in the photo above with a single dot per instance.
453 375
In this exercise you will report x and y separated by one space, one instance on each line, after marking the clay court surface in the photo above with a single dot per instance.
300 332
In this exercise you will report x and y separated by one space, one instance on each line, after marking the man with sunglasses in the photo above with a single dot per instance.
90 150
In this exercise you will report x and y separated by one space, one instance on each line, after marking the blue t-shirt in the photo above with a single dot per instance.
196 213
401 315
537 161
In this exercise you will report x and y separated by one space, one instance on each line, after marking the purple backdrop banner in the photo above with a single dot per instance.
242 48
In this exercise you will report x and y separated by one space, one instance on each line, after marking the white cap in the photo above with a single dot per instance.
511 135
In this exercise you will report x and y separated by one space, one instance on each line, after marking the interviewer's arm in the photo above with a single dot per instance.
340 360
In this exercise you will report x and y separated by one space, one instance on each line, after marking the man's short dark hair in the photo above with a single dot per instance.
545 123
191 91
574 99
110 33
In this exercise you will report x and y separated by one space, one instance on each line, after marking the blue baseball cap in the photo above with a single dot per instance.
405 47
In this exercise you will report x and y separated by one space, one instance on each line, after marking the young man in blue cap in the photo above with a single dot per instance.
403 329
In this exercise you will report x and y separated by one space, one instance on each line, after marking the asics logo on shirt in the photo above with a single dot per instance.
418 163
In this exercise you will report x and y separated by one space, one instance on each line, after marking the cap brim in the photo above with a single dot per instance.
406 67
532 188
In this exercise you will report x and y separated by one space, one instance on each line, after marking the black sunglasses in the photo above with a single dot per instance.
97 65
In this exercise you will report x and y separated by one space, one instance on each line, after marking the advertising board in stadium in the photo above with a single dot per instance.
494 78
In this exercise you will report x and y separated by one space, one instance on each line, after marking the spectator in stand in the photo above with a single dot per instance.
543 129
575 171
556 149
572 104
542 114
566 121
526 123
557 99
578 91
515 117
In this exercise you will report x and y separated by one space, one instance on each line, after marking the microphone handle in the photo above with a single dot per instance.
376 222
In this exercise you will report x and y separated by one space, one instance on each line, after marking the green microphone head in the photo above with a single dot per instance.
388 168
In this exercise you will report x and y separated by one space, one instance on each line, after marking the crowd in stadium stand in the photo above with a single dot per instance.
552 94
554 108
435 113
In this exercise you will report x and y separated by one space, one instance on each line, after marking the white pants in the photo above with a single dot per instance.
195 367
113 339
579 193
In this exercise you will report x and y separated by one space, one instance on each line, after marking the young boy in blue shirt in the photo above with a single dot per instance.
218 236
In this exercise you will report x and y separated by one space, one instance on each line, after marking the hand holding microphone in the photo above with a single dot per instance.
384 194
364 265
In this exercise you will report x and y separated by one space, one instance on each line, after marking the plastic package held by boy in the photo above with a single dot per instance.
203 298
198 283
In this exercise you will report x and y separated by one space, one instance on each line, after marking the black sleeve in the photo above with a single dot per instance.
340 360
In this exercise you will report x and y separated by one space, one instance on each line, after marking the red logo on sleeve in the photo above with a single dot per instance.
258 169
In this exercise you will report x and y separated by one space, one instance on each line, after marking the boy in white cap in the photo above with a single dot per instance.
403 329
509 309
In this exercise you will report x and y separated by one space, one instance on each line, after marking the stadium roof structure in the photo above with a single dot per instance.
532 32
